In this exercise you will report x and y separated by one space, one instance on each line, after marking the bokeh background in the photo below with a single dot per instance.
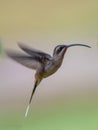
68 100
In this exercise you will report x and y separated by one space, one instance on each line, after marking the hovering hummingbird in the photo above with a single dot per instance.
44 64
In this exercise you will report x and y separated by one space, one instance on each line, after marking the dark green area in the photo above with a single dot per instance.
1 49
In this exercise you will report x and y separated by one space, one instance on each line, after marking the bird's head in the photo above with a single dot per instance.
61 49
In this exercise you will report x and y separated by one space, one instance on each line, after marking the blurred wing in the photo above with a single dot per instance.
34 51
31 62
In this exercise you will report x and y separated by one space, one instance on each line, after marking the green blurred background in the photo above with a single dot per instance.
68 100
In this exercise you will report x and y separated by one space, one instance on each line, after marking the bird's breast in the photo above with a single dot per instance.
50 68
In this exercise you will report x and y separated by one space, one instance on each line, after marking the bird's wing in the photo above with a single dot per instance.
32 51
32 62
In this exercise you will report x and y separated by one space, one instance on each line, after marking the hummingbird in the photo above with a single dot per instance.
44 64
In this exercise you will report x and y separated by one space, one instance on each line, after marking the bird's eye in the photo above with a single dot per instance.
59 49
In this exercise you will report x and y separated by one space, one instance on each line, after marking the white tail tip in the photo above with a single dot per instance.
27 111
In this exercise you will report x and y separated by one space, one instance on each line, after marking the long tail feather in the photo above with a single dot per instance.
36 84
33 92
26 113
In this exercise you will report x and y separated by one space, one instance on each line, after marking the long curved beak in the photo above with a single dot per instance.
78 45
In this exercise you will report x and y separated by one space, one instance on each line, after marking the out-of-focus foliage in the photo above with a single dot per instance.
1 48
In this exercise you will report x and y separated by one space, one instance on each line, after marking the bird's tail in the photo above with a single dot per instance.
26 113
35 85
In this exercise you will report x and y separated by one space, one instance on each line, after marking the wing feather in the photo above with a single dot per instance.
32 51
31 62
